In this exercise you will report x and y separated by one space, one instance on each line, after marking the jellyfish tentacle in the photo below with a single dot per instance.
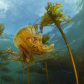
15 54
5 55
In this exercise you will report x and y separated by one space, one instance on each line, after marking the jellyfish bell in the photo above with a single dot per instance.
30 43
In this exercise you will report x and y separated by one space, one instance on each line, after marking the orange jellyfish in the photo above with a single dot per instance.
30 45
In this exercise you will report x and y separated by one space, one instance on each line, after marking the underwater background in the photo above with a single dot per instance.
17 13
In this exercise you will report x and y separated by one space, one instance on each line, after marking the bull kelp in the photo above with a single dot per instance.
53 15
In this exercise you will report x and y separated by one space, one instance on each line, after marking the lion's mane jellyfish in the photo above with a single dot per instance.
30 44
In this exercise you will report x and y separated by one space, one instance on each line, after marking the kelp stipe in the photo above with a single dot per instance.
54 16
46 71
28 74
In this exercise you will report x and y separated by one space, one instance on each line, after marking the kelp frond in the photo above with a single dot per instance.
52 8
45 38
2 27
